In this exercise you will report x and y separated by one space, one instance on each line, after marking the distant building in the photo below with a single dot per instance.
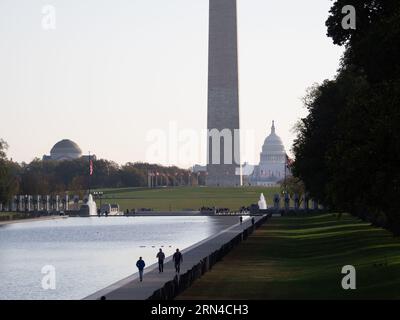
109 209
247 169
272 167
66 150
199 168
114 208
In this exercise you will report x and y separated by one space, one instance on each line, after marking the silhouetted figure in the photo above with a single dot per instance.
241 219
140 265
161 258
178 259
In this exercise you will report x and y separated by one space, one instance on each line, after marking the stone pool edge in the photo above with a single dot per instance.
198 259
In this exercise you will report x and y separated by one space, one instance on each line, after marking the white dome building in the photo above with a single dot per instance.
66 150
271 169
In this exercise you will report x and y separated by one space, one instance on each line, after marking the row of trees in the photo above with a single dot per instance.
8 182
50 177
348 147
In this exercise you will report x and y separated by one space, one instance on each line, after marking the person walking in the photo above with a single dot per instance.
161 257
178 259
241 219
140 265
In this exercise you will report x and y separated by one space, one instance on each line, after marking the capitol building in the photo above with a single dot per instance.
66 150
272 167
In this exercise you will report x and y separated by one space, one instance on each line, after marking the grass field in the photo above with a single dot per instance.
8 216
302 258
172 199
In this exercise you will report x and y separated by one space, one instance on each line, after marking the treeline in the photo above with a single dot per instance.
348 147
51 177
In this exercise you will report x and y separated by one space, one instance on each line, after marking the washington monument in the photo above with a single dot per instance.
223 158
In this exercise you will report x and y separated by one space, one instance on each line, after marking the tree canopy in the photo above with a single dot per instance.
51 177
348 147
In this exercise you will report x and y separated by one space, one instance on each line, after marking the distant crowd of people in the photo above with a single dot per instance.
253 221
134 210
223 210
207 209
215 210
177 258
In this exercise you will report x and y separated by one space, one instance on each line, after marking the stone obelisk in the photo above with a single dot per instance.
223 157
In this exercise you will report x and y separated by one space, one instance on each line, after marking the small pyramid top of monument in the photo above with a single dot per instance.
273 143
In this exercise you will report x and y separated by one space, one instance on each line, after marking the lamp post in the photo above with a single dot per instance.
90 171
44 202
99 195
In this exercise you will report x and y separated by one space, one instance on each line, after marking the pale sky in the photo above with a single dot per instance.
114 71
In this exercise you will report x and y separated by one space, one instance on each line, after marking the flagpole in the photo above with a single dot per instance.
90 176
286 163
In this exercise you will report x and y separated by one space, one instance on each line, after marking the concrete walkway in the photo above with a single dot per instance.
131 288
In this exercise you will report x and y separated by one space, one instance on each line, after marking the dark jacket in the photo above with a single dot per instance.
177 257
160 256
140 264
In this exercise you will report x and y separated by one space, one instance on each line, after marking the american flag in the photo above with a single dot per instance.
289 162
91 167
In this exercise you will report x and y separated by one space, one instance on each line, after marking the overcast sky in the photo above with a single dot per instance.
114 72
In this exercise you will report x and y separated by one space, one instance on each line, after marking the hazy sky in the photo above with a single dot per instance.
114 71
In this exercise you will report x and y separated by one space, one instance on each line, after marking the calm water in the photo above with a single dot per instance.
89 254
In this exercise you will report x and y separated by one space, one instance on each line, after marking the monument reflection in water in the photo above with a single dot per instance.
89 254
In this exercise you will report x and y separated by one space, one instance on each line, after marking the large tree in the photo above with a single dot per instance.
8 175
348 147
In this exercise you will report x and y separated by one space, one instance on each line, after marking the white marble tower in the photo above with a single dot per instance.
223 158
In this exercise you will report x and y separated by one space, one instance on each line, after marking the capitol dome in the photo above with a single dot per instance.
65 150
272 166
273 143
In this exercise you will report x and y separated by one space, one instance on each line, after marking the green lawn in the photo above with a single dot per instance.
302 258
181 198
7 216
6 213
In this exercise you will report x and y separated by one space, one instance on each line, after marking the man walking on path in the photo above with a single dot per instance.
140 265
177 258
161 258
241 219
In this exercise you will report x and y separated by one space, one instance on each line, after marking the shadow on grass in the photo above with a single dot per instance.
302 258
